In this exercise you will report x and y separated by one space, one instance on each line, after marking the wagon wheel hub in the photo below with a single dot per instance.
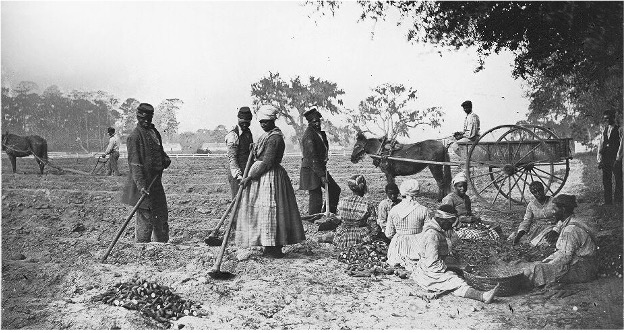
509 169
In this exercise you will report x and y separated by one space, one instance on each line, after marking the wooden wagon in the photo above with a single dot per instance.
503 161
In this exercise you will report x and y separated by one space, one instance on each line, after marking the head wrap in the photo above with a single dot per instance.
409 187
110 130
459 177
312 114
357 183
467 103
444 215
565 200
245 113
144 110
267 112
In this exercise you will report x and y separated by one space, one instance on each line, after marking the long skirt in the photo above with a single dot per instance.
268 214
438 281
347 236
402 249
583 270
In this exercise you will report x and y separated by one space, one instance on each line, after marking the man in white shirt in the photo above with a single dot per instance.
470 132
113 150
610 157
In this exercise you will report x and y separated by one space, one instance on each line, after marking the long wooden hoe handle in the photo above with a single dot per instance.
222 249
223 217
132 213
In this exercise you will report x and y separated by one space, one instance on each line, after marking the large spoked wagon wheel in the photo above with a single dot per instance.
505 160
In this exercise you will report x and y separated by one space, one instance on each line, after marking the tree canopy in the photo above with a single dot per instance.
387 112
295 97
570 52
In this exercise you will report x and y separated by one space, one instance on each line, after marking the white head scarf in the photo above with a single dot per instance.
267 112
460 177
409 187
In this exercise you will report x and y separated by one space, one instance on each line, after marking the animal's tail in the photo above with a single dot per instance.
447 173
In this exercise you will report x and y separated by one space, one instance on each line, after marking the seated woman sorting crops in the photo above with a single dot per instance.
430 271
357 215
537 225
405 223
468 226
575 258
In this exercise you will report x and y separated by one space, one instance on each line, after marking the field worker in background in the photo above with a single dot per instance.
392 199
238 142
268 215
471 131
405 223
575 259
430 271
146 161
113 151
610 158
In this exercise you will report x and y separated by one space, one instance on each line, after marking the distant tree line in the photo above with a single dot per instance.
77 120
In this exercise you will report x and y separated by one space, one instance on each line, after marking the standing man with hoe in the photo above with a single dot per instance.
238 142
313 172
146 161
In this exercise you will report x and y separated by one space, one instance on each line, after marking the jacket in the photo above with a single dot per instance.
238 145
314 158
146 160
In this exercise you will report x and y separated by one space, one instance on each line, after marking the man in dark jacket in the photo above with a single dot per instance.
238 142
313 173
146 161
610 158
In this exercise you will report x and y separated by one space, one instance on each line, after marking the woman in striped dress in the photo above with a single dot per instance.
268 214
404 225
357 214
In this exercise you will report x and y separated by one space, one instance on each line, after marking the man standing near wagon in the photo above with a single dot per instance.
238 142
146 161
313 172
610 158
113 151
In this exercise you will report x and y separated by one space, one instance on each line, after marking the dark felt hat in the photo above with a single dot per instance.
110 130
245 113
145 109
312 114
467 103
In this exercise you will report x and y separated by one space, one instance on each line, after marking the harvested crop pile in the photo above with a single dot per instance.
150 299
485 252
610 254
366 259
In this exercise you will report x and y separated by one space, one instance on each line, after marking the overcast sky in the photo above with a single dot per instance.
209 53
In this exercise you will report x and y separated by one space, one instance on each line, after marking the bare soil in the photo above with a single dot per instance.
51 269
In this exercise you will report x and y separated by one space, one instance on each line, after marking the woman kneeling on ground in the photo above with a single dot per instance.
358 216
575 258
405 223
430 272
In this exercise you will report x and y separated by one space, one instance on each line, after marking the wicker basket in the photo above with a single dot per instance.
508 285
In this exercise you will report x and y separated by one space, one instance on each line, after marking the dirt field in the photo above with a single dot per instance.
50 272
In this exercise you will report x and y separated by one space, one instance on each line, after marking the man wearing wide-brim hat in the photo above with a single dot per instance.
575 258
314 174
146 161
